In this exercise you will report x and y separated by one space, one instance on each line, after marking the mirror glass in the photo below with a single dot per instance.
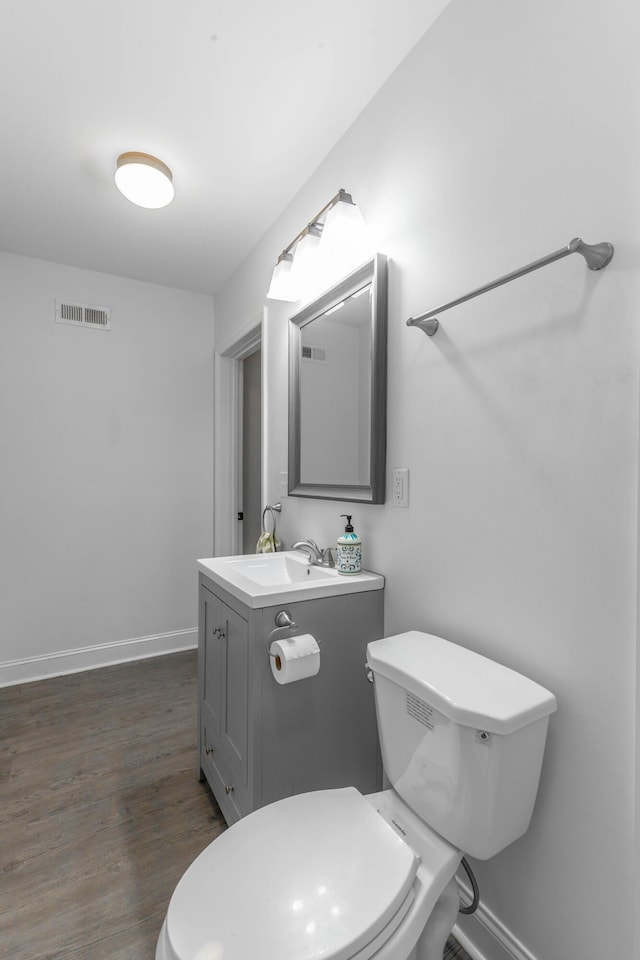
337 390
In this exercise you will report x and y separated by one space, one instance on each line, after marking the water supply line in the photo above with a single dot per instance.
473 906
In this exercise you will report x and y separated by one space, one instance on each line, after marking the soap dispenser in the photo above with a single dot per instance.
349 553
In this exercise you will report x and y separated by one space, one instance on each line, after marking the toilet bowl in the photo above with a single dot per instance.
335 875
331 874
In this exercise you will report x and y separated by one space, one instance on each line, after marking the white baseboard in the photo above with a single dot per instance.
485 937
100 655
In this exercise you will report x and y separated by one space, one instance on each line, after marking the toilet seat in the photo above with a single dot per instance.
316 875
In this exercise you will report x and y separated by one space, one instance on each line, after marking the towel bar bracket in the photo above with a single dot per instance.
429 326
596 255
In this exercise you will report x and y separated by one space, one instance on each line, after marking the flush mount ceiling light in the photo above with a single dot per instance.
330 246
144 180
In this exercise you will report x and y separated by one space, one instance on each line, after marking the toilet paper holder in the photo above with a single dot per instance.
283 621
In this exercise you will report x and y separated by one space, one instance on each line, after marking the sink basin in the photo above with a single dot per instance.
273 569
259 580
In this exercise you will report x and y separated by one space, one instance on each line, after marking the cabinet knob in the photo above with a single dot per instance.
209 750
228 788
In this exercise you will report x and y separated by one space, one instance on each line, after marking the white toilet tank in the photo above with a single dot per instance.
462 738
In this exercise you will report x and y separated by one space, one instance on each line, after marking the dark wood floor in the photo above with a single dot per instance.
101 811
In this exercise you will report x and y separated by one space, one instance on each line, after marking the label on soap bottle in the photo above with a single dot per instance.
349 557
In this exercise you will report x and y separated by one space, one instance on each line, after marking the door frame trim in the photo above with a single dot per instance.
227 445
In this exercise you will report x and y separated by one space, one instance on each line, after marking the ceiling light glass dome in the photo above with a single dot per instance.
144 180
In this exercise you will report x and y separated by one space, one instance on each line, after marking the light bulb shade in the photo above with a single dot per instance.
281 287
144 180
345 241
306 275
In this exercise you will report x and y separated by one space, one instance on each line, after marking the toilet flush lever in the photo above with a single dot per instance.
369 672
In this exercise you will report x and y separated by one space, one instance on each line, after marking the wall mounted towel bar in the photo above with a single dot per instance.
597 256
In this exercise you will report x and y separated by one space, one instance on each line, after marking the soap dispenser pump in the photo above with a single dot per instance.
349 552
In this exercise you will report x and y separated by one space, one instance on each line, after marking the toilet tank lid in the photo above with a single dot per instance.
466 687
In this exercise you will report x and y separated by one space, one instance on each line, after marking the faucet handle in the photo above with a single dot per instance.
327 557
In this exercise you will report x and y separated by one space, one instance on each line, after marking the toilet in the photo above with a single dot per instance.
335 875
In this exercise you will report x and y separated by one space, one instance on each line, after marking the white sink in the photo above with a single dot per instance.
270 570
259 580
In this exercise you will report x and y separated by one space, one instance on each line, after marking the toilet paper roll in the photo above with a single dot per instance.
294 658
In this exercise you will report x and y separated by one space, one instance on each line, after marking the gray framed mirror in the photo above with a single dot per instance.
338 390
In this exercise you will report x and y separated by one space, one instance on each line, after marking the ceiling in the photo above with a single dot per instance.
241 98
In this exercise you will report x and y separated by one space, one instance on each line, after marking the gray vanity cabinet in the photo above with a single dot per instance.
259 740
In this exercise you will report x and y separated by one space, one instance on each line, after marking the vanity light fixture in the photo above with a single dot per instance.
144 180
330 246
305 261
345 240
281 286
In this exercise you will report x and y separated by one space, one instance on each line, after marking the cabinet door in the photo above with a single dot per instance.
233 803
212 661
224 703
234 716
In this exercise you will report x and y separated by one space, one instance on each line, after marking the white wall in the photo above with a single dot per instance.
106 474
510 129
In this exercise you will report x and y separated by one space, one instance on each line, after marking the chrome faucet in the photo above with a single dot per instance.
323 558
311 548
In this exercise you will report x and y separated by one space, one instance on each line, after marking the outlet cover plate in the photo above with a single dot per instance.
400 487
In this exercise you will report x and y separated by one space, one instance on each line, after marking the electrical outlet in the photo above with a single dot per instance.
284 483
400 487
